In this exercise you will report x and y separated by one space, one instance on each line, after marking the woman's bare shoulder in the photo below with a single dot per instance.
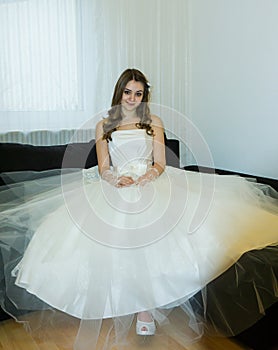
156 121
101 122
99 129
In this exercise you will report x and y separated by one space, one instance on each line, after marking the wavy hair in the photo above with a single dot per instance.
115 113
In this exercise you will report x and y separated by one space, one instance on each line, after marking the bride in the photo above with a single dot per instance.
114 241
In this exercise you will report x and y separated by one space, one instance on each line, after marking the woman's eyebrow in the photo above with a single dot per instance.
126 89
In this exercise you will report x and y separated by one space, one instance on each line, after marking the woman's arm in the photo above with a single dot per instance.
159 159
158 145
102 149
104 161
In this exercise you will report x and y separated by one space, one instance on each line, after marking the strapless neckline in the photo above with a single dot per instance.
125 130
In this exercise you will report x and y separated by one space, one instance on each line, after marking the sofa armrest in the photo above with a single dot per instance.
263 180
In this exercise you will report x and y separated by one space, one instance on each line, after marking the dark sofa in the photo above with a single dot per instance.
261 331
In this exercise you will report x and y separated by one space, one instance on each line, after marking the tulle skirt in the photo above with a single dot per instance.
72 244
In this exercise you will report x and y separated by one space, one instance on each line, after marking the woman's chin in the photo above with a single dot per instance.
130 107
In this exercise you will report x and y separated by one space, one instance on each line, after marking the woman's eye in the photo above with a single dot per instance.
138 94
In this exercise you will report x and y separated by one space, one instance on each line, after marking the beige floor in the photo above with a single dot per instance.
13 336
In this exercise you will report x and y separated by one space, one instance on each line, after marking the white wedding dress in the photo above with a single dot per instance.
97 251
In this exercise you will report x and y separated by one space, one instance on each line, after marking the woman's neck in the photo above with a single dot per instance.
129 115
129 120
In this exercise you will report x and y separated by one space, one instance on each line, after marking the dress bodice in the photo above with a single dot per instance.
131 151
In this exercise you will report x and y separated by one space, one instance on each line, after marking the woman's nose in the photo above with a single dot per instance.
132 96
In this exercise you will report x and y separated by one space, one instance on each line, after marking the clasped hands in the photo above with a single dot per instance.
125 181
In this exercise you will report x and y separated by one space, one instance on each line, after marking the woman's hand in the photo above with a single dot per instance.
149 176
124 181
112 179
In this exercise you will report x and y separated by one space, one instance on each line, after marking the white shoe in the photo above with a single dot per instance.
145 328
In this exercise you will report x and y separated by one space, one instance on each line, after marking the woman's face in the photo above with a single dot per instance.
132 95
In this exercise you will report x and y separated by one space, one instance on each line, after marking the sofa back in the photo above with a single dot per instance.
19 157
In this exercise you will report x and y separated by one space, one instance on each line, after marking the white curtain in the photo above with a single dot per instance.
39 57
151 36
62 68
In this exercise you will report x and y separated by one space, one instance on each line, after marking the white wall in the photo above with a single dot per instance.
234 82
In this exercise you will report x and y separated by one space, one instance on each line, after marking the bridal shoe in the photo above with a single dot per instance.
145 328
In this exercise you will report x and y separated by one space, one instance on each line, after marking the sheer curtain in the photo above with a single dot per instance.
39 56
151 36
60 59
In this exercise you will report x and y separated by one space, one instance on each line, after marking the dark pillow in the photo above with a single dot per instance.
18 157
172 152
80 155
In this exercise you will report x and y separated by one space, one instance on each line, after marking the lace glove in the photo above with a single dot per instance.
110 177
150 175
91 174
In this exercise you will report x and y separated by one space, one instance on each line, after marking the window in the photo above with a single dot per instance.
40 56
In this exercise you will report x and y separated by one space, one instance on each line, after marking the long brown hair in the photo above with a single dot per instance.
115 113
